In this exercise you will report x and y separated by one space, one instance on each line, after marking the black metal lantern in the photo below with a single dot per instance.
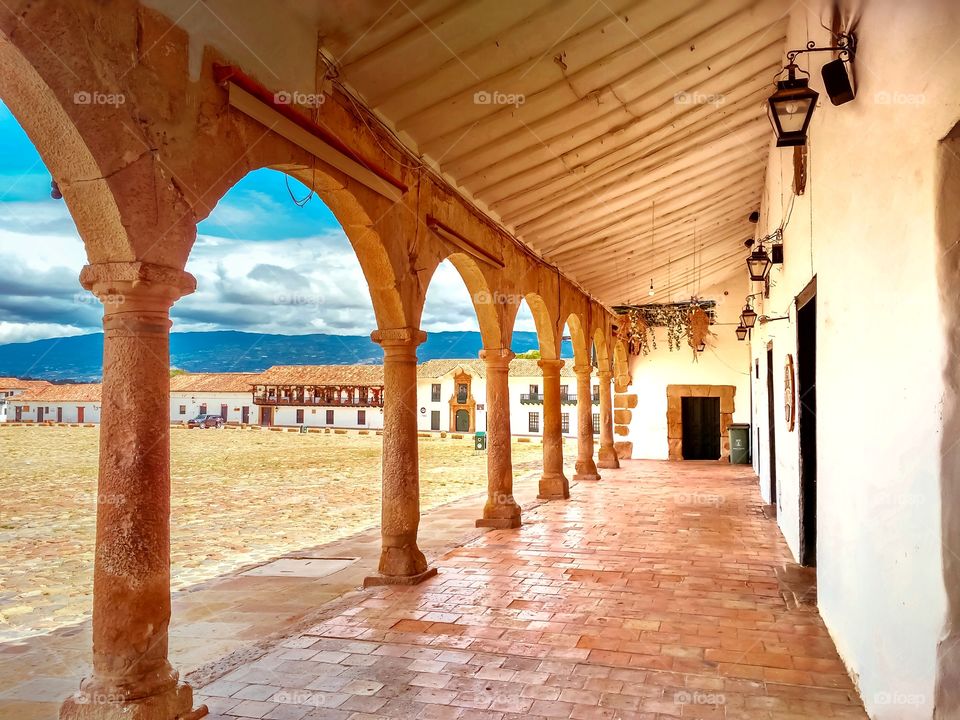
702 346
791 107
741 333
748 318
758 264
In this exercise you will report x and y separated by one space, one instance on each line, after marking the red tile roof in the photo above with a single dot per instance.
368 375
69 392
213 382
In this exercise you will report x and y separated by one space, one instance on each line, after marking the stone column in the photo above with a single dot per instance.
607 457
586 469
553 483
401 562
132 677
501 510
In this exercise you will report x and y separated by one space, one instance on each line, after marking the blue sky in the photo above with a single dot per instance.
262 263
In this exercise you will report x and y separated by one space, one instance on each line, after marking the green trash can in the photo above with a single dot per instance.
479 441
739 444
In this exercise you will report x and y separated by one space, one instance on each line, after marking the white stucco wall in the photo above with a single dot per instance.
91 411
724 362
343 417
519 412
192 402
881 349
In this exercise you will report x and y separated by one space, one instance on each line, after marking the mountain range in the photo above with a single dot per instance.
80 357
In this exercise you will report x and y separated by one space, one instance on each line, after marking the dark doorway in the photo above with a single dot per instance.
463 421
245 415
266 416
772 432
80 410
39 414
18 413
224 409
701 428
434 419
60 414
807 420
329 417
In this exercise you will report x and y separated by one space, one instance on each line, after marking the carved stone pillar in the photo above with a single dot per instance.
132 678
586 469
607 457
553 483
501 510
401 562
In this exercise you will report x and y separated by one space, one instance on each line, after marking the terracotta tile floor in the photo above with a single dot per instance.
651 594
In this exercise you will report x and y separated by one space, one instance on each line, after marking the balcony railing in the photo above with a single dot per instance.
263 399
537 398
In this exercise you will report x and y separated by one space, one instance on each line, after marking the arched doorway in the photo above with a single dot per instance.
463 421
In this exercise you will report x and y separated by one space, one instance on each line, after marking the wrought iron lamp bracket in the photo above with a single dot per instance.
846 49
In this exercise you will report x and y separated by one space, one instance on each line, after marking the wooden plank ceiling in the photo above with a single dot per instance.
630 111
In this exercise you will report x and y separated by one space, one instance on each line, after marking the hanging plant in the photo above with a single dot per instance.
698 330
637 326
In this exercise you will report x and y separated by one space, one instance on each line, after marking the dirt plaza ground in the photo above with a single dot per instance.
238 497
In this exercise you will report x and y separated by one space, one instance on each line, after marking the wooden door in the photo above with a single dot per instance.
463 421
434 419
60 413
80 410
701 428
266 416
245 414
223 411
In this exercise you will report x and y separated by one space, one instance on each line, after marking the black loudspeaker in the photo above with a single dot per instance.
836 81
776 254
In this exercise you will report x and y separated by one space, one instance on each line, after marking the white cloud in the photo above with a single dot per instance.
11 332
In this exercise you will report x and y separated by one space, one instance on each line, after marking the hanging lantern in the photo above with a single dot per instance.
758 264
791 107
741 333
748 318
702 346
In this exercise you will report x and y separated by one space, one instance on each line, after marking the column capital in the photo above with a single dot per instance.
605 375
550 367
134 286
583 369
497 357
405 337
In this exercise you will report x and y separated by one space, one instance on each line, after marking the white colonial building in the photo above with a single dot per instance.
341 396
451 397
68 403
228 395
11 387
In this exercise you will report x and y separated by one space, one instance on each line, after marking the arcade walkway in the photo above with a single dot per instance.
652 594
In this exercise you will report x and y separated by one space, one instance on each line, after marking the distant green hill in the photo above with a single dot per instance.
80 357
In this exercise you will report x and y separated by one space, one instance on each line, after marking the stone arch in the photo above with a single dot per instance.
600 346
621 366
578 338
68 156
483 299
372 254
546 334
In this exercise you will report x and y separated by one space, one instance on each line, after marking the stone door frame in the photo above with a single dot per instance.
675 418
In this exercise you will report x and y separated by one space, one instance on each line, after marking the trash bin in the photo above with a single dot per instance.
480 441
739 444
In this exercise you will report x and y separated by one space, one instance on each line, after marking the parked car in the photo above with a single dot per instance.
205 421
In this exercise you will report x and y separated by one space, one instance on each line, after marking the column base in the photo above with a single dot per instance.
554 487
586 477
607 458
499 523
177 704
377 580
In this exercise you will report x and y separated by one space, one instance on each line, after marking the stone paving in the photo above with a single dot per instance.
318 486
652 594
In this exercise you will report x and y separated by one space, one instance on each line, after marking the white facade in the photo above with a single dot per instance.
239 406
883 252
726 361
67 411
358 418
526 413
